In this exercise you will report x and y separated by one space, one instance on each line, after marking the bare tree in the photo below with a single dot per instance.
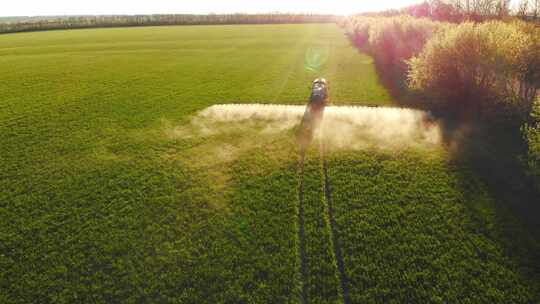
523 8
481 9
503 9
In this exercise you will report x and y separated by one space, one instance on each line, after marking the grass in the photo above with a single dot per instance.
410 219
103 199
322 275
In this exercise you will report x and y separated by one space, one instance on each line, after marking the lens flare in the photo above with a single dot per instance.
315 58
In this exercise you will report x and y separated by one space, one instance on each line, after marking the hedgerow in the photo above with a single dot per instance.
392 41
483 73
486 70
489 70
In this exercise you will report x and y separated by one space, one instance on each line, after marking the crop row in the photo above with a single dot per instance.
128 230
411 231
321 268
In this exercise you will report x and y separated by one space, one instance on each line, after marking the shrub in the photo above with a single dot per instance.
393 40
359 31
532 136
489 70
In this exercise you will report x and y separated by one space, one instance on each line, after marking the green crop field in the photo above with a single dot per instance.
110 191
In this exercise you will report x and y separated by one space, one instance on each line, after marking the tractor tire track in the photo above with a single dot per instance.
333 229
301 231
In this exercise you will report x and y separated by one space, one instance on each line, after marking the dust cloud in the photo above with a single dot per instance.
343 127
276 118
380 127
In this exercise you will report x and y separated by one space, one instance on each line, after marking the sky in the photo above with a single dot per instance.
130 7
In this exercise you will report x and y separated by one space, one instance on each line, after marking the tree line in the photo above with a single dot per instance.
482 75
468 10
73 22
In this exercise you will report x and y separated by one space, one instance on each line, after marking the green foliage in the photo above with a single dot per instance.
415 230
191 66
532 136
490 68
100 201
322 273
99 204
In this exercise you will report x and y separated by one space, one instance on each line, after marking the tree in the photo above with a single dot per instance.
442 11
503 9
523 8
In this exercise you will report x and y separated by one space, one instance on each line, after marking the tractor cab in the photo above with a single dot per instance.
319 93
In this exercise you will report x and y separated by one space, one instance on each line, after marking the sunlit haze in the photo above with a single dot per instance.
104 7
